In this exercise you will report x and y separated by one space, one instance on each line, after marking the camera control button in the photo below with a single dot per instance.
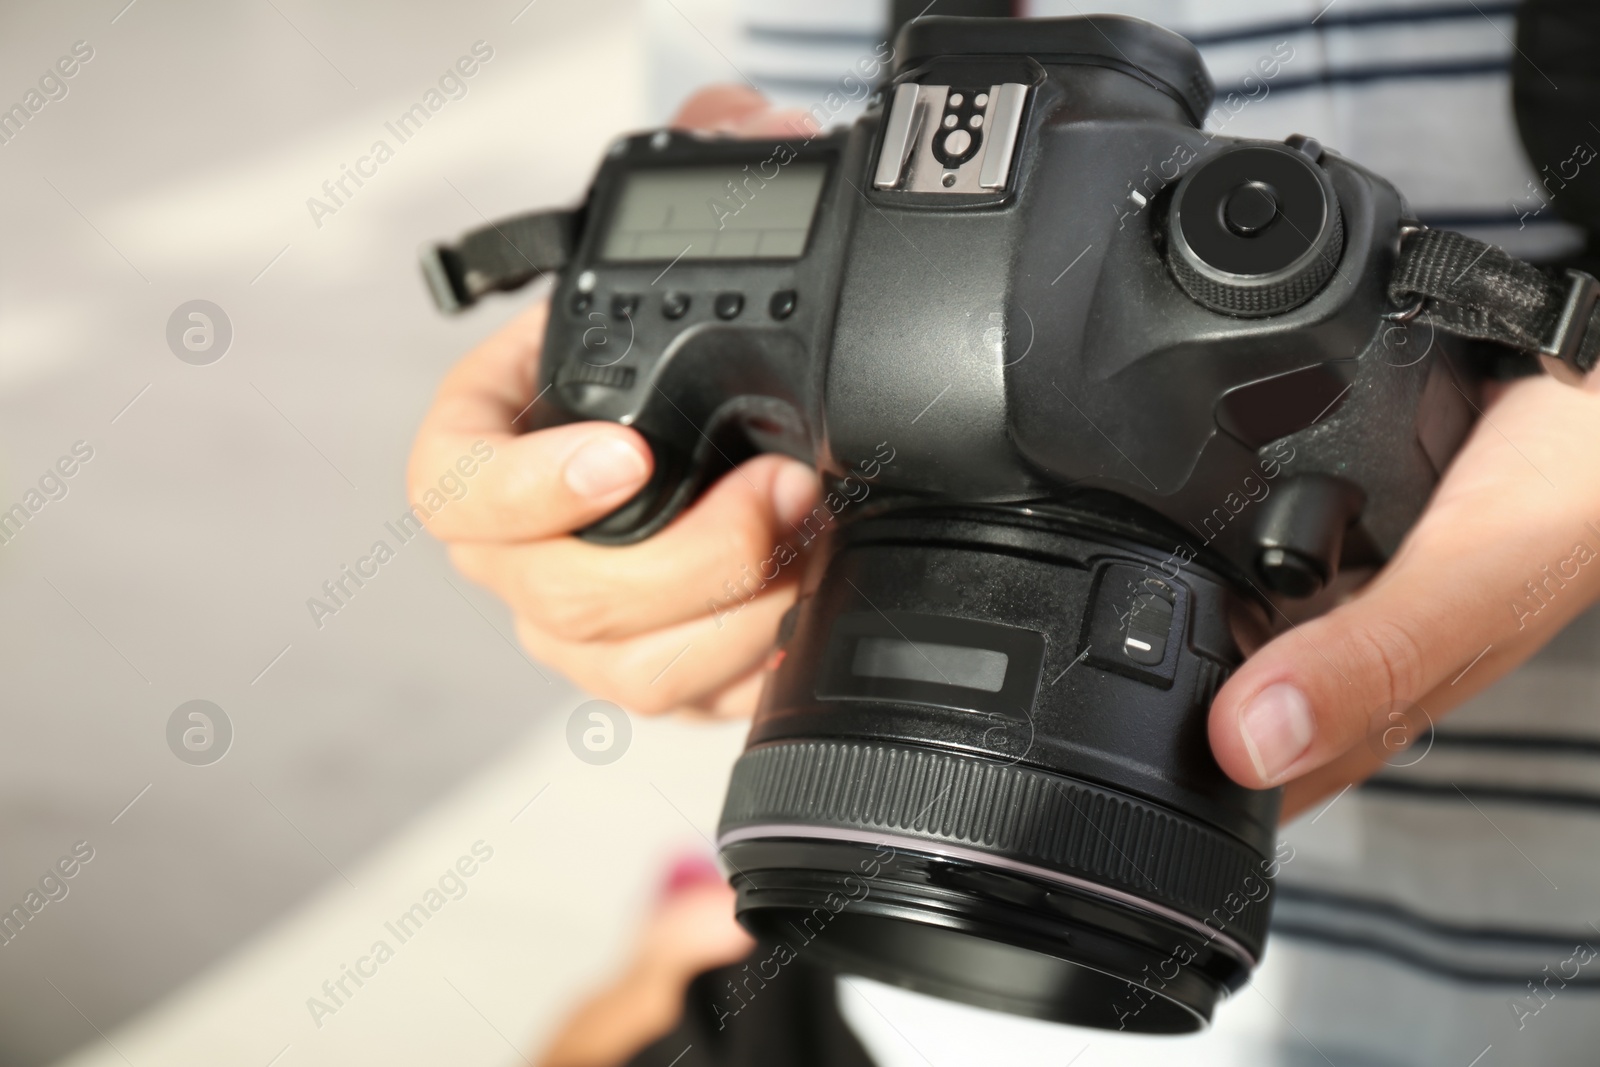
624 305
1144 641
675 305
1250 208
782 304
1137 616
1254 231
728 305
1309 145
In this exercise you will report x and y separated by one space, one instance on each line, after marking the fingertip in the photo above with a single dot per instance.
556 480
1262 735
688 871
604 465
1276 728
521 336
789 122
535 314
1227 744
795 490
717 105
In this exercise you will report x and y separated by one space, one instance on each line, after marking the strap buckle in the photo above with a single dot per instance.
499 257
1562 352
444 285
1408 227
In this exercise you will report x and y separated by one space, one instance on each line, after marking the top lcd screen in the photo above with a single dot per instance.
724 212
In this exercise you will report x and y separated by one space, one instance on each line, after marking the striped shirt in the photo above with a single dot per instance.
1444 912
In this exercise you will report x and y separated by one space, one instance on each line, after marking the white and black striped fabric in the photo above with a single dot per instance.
1418 91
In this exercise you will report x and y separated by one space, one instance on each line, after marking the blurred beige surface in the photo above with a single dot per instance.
220 498
487 975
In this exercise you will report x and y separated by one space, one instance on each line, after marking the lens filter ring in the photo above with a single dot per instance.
999 885
978 858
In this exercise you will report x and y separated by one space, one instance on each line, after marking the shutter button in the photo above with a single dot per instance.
1250 208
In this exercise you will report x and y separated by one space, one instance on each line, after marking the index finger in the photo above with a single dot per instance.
472 477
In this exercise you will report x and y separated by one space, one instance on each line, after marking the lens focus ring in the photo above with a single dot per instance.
1013 812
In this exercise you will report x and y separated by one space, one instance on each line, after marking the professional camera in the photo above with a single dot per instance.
1091 392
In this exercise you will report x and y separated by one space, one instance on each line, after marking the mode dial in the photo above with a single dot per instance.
1255 230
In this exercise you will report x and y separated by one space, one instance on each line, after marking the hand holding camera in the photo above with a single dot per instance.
613 617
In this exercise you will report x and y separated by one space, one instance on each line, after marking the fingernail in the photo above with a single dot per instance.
687 872
1277 729
794 492
603 466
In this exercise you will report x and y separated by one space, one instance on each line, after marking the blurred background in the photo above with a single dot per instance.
343 764
368 754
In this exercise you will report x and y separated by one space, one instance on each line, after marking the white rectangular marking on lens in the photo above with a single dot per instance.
923 661
1134 642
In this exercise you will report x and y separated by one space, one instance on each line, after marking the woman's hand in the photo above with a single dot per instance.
656 625
1450 614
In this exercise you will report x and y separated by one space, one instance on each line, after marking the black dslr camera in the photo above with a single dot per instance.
1115 384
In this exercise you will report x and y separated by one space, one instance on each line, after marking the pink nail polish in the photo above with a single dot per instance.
687 872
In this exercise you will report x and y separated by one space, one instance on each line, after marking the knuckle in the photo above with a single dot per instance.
538 644
468 559
416 484
650 682
573 610
746 541
634 691
651 700
518 491
1394 657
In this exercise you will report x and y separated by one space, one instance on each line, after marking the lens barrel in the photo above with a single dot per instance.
981 770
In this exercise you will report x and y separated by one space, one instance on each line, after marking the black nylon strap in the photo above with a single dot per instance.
501 256
1474 289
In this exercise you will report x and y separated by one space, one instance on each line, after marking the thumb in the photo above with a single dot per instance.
1313 693
719 106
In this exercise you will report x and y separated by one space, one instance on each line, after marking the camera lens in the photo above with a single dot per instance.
981 771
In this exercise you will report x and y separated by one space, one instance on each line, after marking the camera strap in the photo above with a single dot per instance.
501 256
1451 281
1473 289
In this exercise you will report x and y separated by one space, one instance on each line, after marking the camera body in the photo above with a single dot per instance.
1089 388
1012 343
